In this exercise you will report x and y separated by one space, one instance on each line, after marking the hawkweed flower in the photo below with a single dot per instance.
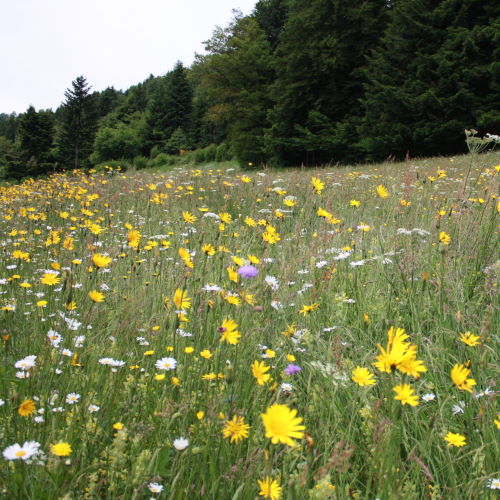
96 296
259 371
229 331
26 408
235 429
406 395
469 339
444 238
282 425
459 374
61 449
455 439
382 191
100 260
363 376
269 488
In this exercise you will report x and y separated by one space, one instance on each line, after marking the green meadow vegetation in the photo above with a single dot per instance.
219 333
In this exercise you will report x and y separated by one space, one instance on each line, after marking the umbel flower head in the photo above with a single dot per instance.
282 425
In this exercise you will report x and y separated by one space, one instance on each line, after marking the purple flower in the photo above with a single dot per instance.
292 369
248 271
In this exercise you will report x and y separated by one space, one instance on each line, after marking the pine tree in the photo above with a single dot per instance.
271 16
36 134
320 54
170 105
78 125
435 74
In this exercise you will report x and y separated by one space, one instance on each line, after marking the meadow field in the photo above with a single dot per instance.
237 334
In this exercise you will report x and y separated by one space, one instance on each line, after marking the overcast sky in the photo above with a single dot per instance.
46 44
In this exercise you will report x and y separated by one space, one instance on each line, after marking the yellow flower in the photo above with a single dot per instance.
236 429
50 279
118 426
181 299
497 421
225 217
354 203
259 372
26 408
189 218
282 425
444 238
317 185
61 449
399 355
382 191
134 238
469 339
96 296
206 354
160 376
41 303
229 331
232 274
208 249
269 488
100 260
406 395
455 439
307 309
363 376
459 375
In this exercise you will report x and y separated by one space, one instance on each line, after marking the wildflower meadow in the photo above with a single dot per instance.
236 334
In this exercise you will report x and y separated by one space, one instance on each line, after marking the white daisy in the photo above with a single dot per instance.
27 450
166 364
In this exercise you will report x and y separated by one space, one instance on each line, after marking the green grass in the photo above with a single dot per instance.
363 269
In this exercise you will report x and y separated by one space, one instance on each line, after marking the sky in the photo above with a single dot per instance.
46 44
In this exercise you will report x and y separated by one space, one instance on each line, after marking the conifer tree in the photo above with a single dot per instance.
319 57
435 74
36 134
78 125
170 105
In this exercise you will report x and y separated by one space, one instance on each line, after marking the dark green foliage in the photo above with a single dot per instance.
107 101
78 125
271 16
35 138
169 106
8 125
319 58
177 142
236 76
436 74
10 158
123 140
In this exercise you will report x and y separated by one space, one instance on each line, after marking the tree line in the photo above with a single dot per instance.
296 82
